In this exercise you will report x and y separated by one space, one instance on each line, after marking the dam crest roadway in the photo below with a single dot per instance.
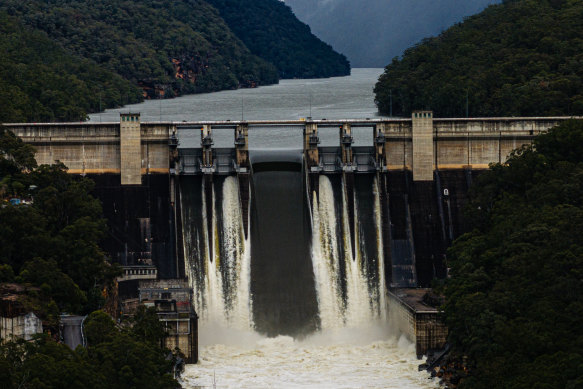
420 144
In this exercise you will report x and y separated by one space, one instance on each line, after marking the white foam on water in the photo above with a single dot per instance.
339 358
355 347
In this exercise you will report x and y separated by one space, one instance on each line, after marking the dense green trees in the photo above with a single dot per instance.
271 31
40 81
114 358
170 47
62 59
515 298
53 243
523 57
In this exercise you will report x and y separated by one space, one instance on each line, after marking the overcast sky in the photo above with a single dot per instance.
371 32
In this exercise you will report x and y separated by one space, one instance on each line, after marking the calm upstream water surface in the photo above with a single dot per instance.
330 98
356 346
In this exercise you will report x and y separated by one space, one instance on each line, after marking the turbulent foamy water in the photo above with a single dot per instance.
355 346
332 359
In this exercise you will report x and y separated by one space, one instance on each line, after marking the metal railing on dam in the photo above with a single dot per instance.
420 144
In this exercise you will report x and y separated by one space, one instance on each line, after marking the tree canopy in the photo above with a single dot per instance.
41 81
52 243
515 298
519 58
114 358
170 47
52 248
270 30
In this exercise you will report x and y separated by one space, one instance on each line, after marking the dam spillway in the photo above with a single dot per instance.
283 292
368 218
296 272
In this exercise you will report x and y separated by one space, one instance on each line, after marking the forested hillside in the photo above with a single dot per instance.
515 296
40 81
62 59
523 57
173 47
271 31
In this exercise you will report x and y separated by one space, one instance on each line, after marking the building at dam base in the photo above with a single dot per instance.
284 242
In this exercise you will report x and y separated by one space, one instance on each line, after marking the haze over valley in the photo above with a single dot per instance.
371 32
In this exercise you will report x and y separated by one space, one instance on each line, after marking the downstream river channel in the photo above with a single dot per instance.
369 354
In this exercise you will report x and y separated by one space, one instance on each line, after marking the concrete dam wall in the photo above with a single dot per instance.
420 144
285 242
297 270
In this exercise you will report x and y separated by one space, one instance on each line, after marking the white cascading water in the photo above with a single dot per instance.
382 304
358 304
226 264
361 305
353 348
214 308
237 257
324 245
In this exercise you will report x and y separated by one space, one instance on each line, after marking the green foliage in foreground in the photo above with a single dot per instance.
52 244
115 358
523 57
270 30
515 299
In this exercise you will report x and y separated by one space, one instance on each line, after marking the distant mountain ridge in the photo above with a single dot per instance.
371 32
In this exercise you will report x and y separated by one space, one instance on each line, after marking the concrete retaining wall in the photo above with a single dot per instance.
421 324
24 327
95 148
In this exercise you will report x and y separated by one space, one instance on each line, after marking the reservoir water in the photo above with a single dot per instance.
330 98
289 303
